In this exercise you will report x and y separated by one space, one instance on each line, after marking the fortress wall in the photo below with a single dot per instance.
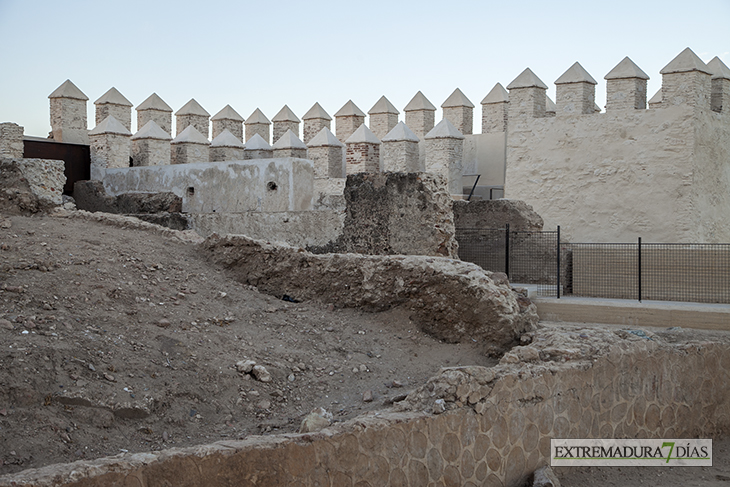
614 177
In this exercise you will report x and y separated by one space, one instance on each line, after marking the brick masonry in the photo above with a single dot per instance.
362 157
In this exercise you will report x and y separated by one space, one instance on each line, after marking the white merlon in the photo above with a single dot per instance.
192 108
256 142
527 79
285 115
626 69
289 141
227 113
419 102
383 105
494 110
190 135
444 130
110 125
576 74
113 103
400 132
316 112
576 92
459 110
457 99
363 135
685 61
720 91
349 109
112 96
68 90
227 139
154 102
325 138
497 95
257 123
686 80
626 87
151 131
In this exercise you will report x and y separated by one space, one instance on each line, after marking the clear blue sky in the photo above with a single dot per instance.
267 54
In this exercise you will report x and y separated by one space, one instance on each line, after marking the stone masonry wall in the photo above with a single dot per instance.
362 157
382 123
218 154
346 126
526 102
200 122
280 129
420 121
494 117
312 127
626 94
444 157
233 126
122 113
327 161
68 120
161 118
461 117
693 88
616 176
575 98
257 128
467 426
186 153
401 156
150 152
11 141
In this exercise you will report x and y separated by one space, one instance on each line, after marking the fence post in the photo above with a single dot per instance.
506 251
639 269
558 274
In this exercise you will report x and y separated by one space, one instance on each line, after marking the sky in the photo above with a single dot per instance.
268 54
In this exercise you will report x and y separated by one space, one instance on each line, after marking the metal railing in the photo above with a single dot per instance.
642 271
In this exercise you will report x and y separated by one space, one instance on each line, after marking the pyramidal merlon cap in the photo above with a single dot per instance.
718 68
110 125
68 90
444 130
151 131
190 136
285 115
113 97
497 95
575 74
626 69
550 105
257 117
228 113
399 133
316 112
419 102
227 139
383 105
154 102
685 61
457 99
257 143
349 109
657 98
362 135
289 141
325 137
193 108
527 79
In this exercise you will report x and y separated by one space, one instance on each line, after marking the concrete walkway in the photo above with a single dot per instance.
634 313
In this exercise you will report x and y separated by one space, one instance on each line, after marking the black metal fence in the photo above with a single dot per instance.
666 272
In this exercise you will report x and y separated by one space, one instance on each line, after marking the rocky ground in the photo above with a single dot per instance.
116 339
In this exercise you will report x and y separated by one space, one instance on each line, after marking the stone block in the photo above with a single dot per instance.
151 146
189 147
289 145
11 141
258 148
227 119
686 80
327 154
459 110
527 94
68 114
400 151
494 110
257 123
226 147
576 92
111 146
314 121
112 103
383 117
347 120
420 115
626 87
284 121
192 114
444 155
30 185
363 152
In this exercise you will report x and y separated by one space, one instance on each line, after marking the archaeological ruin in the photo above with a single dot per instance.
367 216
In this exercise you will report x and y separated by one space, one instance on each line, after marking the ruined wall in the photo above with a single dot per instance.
469 425
490 214
271 185
397 213
616 176
30 185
